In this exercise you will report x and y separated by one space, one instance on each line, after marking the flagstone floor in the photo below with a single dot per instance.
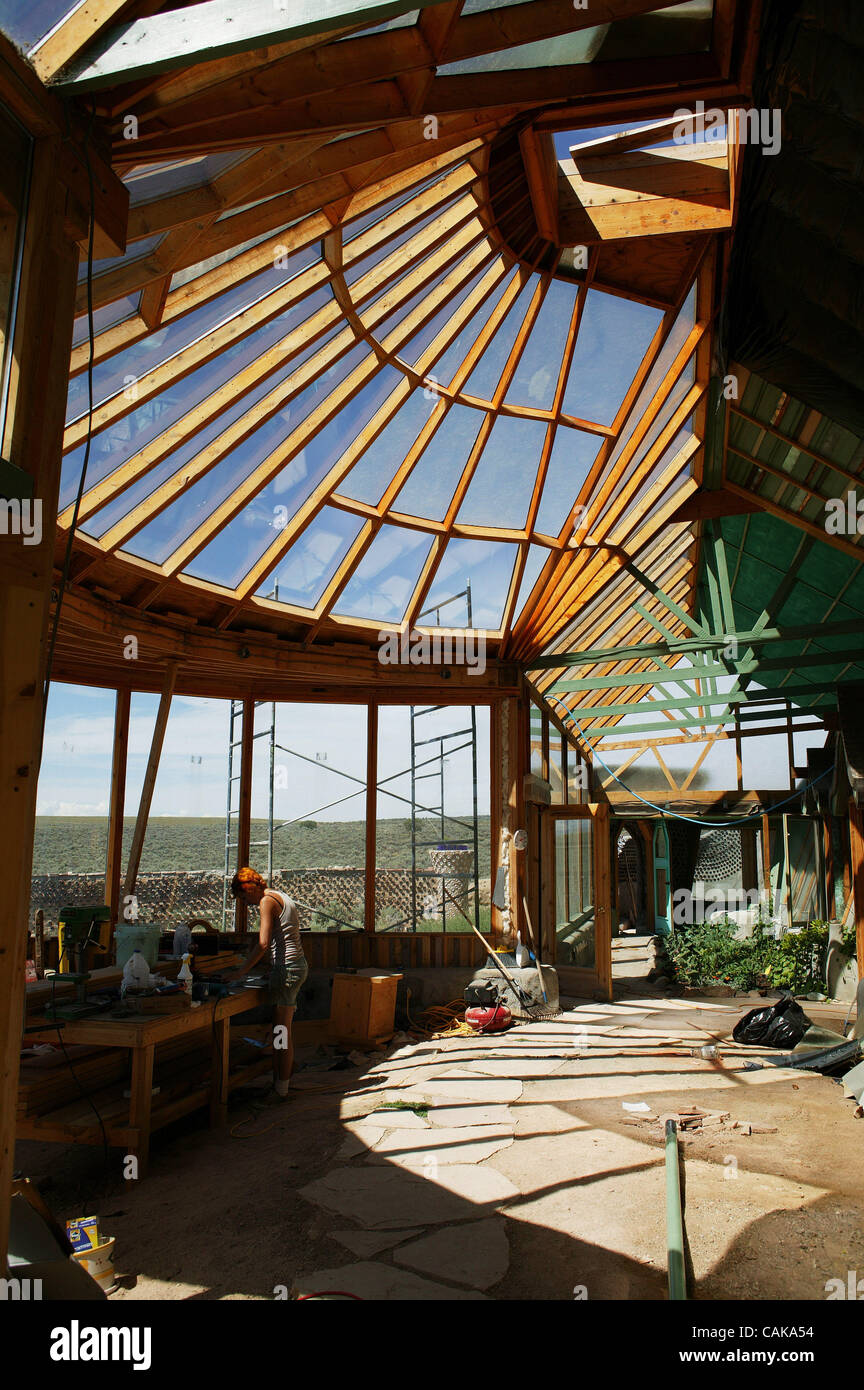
525 1165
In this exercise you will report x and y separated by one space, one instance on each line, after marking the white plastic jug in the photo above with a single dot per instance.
182 941
136 972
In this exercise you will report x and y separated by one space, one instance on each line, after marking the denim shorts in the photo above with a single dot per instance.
284 983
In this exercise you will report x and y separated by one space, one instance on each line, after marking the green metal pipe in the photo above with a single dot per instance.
674 1222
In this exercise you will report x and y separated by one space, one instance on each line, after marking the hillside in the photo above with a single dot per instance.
77 843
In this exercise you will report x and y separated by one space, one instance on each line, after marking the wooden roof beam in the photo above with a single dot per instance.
204 31
72 34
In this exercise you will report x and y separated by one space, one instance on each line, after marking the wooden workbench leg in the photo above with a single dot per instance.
219 1073
141 1102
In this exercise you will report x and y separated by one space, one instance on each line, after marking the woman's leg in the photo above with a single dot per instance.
283 1042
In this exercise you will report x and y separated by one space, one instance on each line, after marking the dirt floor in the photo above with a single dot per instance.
516 1173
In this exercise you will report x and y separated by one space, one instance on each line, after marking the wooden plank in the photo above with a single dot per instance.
72 34
216 28
117 803
541 168
219 1076
149 780
140 1103
244 811
32 442
856 840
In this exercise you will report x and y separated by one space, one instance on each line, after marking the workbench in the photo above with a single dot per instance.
184 1085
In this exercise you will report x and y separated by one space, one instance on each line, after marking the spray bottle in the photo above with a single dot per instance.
184 975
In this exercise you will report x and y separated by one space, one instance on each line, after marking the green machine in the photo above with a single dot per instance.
82 932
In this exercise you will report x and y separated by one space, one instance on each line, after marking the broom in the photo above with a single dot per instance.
550 1012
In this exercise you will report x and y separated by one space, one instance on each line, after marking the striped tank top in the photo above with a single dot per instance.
285 948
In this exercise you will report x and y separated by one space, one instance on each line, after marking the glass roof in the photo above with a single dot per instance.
360 428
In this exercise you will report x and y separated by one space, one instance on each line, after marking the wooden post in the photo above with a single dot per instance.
149 781
34 433
856 841
749 876
371 816
244 809
114 861
766 857
602 898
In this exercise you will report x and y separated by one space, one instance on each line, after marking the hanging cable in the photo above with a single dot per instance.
696 820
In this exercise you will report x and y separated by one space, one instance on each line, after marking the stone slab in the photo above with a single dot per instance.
460 1084
380 1283
476 1253
363 1244
389 1198
398 1119
415 1149
459 1116
364 1138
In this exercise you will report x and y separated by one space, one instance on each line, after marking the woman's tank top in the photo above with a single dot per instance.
285 948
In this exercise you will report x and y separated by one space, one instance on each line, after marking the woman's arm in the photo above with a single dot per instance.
267 912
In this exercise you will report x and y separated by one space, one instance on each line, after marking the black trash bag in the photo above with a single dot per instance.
781 1025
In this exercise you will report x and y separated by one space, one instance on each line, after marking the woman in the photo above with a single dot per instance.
279 935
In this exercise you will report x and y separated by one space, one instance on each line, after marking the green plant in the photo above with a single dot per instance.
416 1107
335 917
709 953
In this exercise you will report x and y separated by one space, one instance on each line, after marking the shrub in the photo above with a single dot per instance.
708 953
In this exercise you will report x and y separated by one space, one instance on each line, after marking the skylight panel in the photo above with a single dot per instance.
128 366
536 374
573 454
429 488
500 491
487 373
378 465
148 182
488 567
120 440
231 554
108 316
385 579
536 559
614 335
444 368
25 22
302 577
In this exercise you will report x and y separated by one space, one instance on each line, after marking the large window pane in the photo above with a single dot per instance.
574 893
432 850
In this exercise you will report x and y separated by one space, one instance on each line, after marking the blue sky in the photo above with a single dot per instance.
76 766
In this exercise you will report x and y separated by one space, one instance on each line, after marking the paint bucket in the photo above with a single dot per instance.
137 936
99 1263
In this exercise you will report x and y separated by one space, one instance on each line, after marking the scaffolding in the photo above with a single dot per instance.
422 768
236 718
436 765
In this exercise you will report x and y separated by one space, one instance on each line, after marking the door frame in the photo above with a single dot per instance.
584 983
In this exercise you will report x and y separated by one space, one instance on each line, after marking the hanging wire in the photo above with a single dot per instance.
697 820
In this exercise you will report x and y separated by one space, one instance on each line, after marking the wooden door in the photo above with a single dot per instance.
576 898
